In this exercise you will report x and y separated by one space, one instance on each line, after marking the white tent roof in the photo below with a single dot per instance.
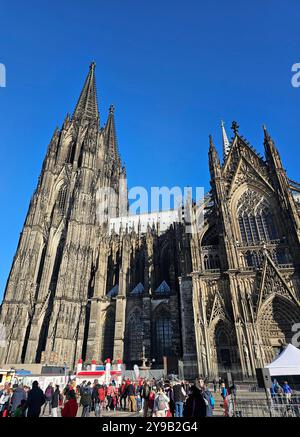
287 363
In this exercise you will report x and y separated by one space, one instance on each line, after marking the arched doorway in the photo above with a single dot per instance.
276 318
224 355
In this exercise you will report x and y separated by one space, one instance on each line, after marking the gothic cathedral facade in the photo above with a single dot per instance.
223 297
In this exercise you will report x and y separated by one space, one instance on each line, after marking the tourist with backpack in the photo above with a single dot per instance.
18 396
209 401
86 401
161 403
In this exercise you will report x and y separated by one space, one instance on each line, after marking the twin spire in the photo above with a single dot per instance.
87 105
87 109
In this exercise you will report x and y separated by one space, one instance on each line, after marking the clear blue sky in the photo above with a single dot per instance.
172 69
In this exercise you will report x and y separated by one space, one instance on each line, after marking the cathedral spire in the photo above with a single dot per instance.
110 133
87 106
226 143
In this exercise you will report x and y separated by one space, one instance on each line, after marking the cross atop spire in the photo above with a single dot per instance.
87 105
226 143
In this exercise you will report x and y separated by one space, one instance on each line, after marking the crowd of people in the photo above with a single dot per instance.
158 398
145 397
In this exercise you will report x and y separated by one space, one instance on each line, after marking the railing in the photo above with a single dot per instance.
277 406
211 247
259 244
209 271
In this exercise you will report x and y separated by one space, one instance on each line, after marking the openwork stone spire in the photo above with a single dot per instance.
226 143
87 105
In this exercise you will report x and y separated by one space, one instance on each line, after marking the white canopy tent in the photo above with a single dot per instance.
287 363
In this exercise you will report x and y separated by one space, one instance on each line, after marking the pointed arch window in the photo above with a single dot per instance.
134 336
255 219
162 335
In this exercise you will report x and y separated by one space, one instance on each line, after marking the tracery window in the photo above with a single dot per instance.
162 328
253 259
255 218
61 198
134 336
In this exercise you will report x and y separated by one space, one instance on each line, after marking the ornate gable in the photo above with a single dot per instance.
272 283
218 309
244 165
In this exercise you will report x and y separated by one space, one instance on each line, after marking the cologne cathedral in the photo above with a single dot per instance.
223 297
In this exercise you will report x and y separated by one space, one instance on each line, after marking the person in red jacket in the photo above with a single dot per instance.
71 406
101 396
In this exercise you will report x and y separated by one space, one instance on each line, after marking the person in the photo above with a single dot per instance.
145 393
215 385
95 399
109 396
209 400
233 390
5 401
228 403
224 391
55 401
220 384
101 396
123 395
287 391
194 406
48 398
71 406
277 391
131 396
20 411
151 399
18 396
115 395
169 393
179 398
35 400
86 401
161 403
